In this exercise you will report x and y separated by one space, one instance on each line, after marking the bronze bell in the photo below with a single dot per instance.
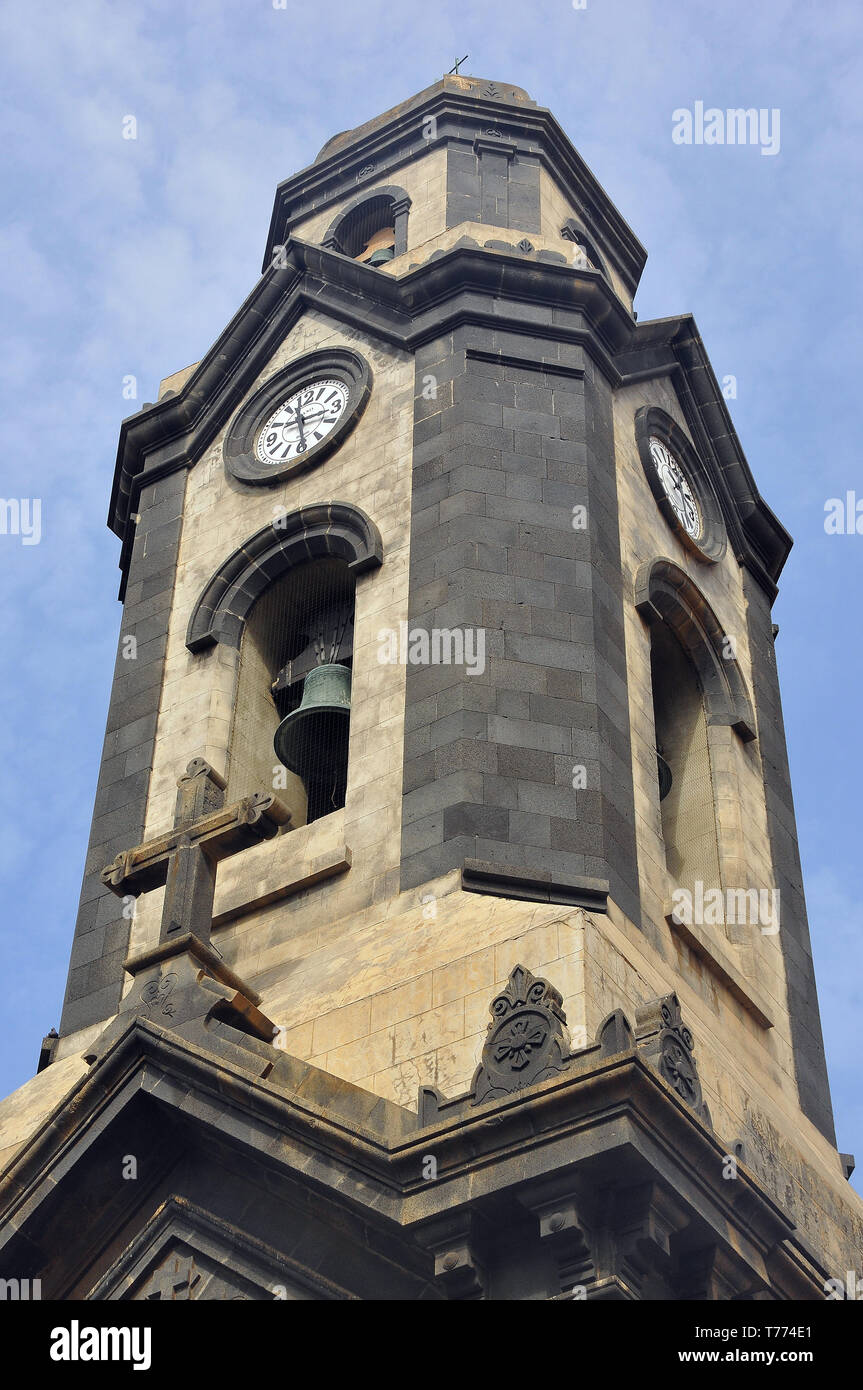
380 247
312 740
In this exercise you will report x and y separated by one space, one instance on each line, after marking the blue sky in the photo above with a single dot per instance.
122 257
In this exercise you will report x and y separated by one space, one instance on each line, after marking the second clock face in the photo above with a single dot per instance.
302 422
676 487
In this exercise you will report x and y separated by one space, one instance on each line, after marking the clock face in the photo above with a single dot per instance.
676 487
302 421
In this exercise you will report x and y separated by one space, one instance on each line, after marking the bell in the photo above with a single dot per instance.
380 247
381 256
312 741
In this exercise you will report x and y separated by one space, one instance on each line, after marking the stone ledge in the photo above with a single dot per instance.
239 898
708 949
502 881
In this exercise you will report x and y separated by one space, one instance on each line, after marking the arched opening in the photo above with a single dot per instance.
372 229
300 627
683 757
368 233
585 256
665 596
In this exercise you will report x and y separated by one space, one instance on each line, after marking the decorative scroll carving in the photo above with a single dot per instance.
155 996
664 1039
527 1038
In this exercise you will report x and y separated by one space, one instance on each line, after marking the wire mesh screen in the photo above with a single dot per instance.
359 226
301 624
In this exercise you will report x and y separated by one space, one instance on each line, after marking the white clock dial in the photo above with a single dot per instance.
303 421
676 487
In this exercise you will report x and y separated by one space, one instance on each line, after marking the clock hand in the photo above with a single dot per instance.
299 423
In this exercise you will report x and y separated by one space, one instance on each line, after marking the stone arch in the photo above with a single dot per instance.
326 528
664 593
571 231
400 203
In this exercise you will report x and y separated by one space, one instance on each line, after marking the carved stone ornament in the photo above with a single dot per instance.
665 1040
176 1280
155 996
179 1279
527 1038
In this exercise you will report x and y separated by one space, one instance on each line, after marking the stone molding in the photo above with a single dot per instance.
325 528
611 1162
463 112
581 308
664 593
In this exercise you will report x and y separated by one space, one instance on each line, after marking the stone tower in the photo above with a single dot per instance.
499 986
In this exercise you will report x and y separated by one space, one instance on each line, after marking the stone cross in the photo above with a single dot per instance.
205 831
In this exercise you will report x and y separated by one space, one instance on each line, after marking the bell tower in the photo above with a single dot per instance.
442 932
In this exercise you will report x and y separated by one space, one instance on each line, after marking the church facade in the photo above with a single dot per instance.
442 932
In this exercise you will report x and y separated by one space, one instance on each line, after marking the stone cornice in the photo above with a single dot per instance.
466 284
366 157
605 1113
173 433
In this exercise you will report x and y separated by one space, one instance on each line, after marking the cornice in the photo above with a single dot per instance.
403 311
315 1129
367 156
466 284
